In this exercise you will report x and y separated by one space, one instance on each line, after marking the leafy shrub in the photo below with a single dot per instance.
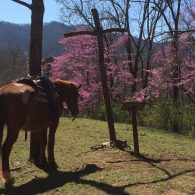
161 114
99 112
164 113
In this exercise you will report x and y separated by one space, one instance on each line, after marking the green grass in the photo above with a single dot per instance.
167 166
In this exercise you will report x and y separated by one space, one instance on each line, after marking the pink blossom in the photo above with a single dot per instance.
79 62
162 77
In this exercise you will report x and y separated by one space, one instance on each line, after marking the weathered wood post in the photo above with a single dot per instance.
132 107
99 32
105 88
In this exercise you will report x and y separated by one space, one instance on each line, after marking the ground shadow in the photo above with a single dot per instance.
193 192
147 159
58 178
155 163
167 178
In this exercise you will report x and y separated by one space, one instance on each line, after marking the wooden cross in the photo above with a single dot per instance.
99 32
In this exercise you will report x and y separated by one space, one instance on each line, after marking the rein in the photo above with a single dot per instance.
70 115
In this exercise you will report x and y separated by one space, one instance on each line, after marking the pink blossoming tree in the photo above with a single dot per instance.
161 77
79 63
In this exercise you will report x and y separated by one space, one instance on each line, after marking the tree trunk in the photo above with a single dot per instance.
35 50
35 60
176 70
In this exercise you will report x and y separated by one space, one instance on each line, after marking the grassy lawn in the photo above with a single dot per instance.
167 166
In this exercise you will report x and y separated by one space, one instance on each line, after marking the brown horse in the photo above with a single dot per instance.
19 109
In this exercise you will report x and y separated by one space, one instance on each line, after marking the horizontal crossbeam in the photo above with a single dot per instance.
95 32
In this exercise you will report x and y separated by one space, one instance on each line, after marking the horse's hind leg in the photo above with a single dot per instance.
2 122
1 138
51 143
1 135
43 144
12 135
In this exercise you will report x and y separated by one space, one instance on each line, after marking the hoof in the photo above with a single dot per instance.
42 163
9 183
8 180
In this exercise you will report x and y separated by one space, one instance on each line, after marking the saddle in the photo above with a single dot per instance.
44 91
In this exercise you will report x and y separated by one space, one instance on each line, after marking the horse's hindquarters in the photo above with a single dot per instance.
21 108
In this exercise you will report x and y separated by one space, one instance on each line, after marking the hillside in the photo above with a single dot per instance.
14 36
14 47
167 164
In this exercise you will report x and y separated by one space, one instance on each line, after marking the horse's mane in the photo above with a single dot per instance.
68 82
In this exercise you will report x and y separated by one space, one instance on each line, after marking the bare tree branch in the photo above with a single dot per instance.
162 10
23 3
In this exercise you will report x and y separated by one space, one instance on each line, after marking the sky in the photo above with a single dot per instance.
16 13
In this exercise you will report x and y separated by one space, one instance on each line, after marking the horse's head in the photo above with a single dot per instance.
68 94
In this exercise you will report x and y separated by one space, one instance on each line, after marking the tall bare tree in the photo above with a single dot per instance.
35 58
171 18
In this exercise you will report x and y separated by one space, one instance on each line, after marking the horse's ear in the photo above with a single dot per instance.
54 80
79 86
56 83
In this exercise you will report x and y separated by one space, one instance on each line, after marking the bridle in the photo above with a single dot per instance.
70 116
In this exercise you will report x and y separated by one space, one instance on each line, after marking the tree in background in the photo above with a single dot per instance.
139 18
161 80
12 64
148 23
163 75
171 20
118 14
79 62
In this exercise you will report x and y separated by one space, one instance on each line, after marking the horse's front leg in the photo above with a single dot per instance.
12 136
43 144
51 143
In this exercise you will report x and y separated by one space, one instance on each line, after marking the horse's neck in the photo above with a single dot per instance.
61 107
62 92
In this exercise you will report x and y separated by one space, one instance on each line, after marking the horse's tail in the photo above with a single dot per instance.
2 122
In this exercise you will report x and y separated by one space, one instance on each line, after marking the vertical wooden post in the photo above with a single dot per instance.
135 132
105 88
133 107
